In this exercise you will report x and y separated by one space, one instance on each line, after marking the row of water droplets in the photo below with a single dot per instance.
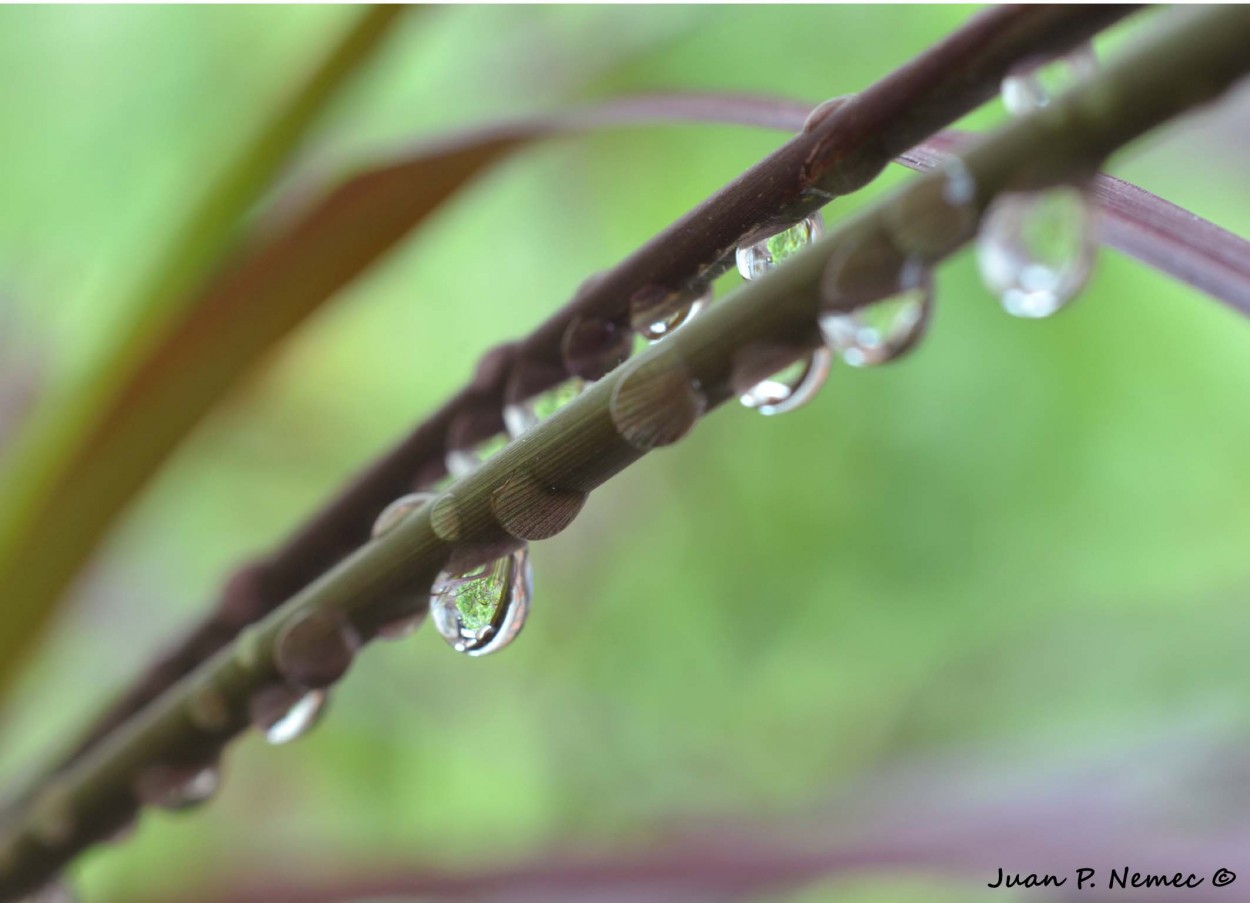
1036 249
1035 252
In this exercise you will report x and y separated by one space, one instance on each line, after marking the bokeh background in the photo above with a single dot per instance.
999 587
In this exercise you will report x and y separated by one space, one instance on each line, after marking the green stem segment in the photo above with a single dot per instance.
535 487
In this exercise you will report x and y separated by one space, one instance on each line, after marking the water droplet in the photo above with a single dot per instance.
480 611
284 713
463 461
530 508
397 510
176 786
530 410
314 649
655 311
791 387
821 113
593 347
885 327
1035 250
445 517
656 402
1037 82
763 254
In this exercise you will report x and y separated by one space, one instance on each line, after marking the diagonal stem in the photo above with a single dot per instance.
533 488
838 155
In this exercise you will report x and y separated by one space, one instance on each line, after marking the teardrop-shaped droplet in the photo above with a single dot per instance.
1036 83
177 786
463 461
655 311
1035 250
791 387
481 611
885 328
761 255
526 413
397 510
283 713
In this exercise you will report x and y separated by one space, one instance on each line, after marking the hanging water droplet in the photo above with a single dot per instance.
761 255
655 311
284 713
1037 82
463 461
791 387
797 383
176 786
885 327
482 610
1035 250
529 411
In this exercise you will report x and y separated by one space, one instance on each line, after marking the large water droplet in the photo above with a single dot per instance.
482 610
884 328
791 387
655 311
284 713
176 786
1035 250
761 255
1037 82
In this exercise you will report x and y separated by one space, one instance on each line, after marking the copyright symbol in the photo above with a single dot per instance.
1223 878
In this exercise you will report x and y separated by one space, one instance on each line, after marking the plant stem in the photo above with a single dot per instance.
534 487
838 155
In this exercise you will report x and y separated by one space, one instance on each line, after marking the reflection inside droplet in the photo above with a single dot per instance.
761 255
654 311
1035 250
791 387
482 610
885 327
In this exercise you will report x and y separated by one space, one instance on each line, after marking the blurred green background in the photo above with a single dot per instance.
1022 547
